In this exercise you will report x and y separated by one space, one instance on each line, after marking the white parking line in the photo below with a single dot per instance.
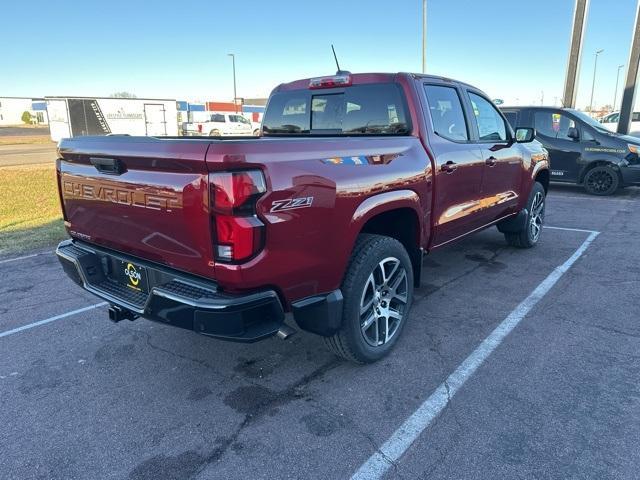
19 258
391 451
582 230
52 319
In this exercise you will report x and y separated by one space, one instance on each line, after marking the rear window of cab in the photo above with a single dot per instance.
369 109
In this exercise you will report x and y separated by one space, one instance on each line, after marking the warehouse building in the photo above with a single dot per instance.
13 108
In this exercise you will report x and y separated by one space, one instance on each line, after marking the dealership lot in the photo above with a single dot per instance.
559 397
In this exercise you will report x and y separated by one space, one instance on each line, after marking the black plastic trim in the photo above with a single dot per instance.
321 314
177 300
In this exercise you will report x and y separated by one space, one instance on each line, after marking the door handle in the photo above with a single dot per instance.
109 166
449 167
491 161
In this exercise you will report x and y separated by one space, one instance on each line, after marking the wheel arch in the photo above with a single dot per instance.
543 177
397 215
599 163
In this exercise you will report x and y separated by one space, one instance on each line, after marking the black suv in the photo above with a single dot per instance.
581 150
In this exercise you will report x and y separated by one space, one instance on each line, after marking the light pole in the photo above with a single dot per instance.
424 36
615 95
233 59
593 84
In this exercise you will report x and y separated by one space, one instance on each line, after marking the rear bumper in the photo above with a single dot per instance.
174 298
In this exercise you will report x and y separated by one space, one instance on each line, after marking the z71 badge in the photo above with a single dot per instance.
291 204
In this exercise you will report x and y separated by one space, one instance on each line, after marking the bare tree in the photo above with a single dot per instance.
123 95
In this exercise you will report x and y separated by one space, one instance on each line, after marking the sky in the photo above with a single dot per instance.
513 50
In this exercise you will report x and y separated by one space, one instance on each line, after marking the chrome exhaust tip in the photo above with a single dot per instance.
285 332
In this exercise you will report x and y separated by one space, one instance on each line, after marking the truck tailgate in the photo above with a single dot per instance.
143 196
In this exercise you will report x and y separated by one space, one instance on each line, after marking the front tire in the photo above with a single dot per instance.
602 180
377 291
528 237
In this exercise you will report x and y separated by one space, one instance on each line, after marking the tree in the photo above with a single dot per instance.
123 95
26 117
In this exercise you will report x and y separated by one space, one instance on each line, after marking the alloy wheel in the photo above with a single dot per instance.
600 181
537 216
383 302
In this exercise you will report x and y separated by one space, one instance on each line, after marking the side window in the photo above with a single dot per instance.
586 135
446 112
217 117
491 125
553 124
512 118
635 117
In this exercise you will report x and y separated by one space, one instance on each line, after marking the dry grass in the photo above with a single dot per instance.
26 140
30 215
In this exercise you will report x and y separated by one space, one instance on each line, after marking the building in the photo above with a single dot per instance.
77 116
12 109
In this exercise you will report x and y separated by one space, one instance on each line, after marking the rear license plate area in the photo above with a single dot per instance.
132 276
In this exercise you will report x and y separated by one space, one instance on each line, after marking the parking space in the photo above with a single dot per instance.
557 398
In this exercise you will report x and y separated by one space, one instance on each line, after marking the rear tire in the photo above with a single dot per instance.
377 291
602 180
528 237
214 133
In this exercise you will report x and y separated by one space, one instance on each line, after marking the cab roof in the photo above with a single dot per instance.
361 78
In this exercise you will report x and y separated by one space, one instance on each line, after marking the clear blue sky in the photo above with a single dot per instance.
512 50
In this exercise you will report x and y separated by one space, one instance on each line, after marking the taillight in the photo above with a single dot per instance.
200 127
238 233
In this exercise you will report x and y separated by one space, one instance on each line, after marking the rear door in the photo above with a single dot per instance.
154 118
458 164
503 162
552 126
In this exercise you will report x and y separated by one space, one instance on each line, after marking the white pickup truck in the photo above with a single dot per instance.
221 125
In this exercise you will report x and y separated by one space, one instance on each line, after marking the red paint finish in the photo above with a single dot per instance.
159 209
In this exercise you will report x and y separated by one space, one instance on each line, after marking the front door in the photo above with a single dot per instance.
552 128
503 161
458 165
155 122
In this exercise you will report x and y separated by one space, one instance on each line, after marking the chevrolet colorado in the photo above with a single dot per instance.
327 215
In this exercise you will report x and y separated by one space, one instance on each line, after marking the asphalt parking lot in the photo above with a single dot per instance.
557 397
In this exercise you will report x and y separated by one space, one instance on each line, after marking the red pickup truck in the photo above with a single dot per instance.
327 215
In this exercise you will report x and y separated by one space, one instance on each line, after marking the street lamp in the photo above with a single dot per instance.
615 95
233 59
424 36
593 84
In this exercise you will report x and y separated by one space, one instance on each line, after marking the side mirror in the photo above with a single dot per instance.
525 134
573 133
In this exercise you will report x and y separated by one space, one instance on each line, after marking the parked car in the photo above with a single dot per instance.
610 121
581 149
221 125
327 215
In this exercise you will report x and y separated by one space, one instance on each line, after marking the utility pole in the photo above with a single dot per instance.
615 94
593 84
629 87
424 36
235 96
580 12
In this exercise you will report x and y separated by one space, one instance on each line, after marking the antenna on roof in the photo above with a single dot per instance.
337 64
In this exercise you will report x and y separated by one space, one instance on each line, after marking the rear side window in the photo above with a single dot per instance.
372 109
446 112
217 117
512 118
